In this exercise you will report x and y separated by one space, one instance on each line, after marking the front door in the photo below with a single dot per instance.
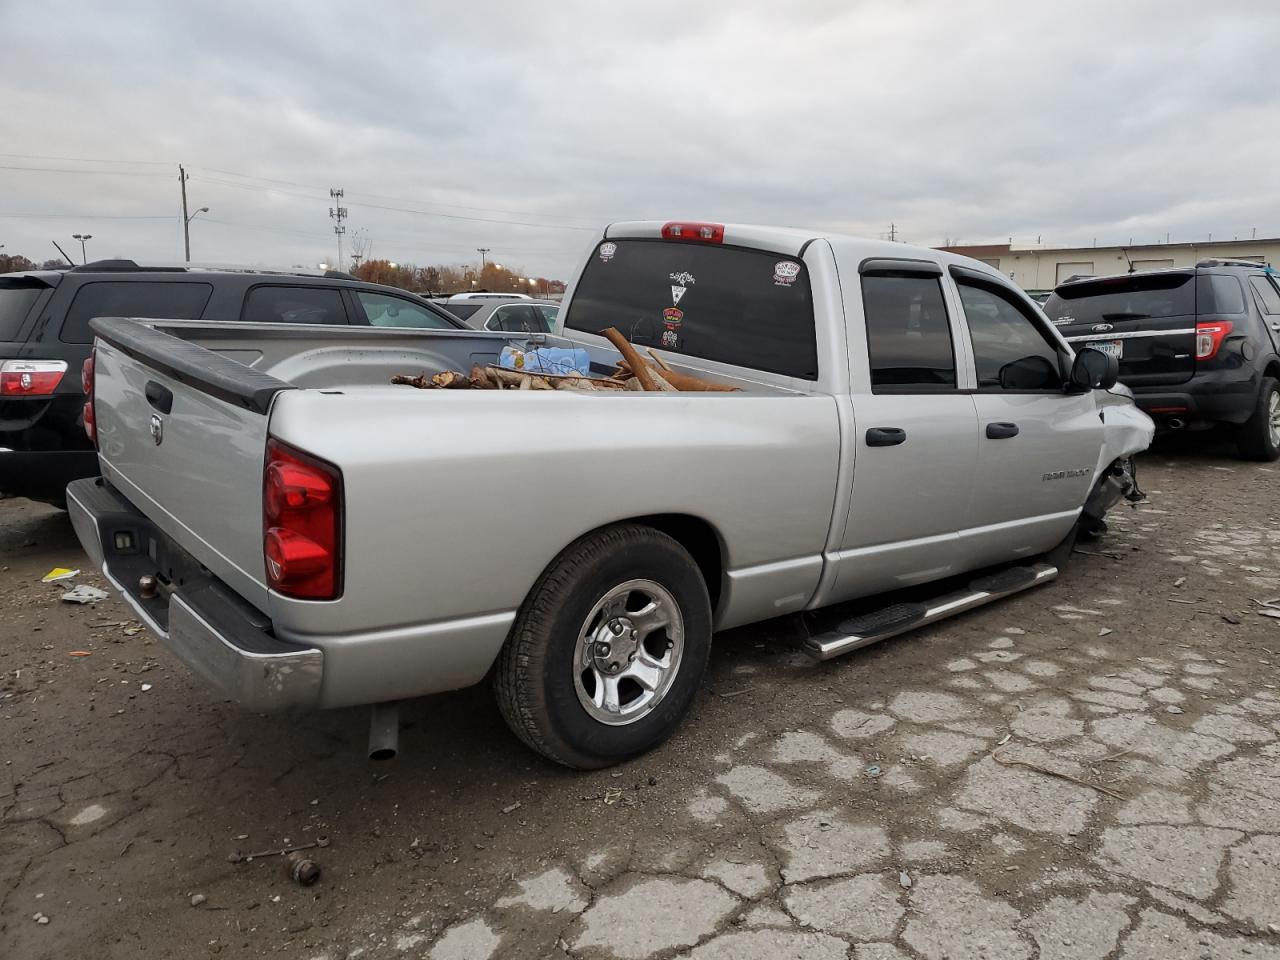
914 435
1037 444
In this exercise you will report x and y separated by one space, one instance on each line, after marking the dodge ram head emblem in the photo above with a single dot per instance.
157 429
1103 327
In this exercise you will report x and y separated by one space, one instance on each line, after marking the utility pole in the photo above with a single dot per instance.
893 232
482 251
186 221
338 214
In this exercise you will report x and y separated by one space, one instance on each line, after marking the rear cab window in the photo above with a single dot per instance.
733 305
152 300
17 296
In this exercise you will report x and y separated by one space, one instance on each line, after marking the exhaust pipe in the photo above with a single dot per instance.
1175 423
384 730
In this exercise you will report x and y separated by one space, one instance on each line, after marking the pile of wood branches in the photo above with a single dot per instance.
633 372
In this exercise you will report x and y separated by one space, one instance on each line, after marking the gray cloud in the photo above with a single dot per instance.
978 122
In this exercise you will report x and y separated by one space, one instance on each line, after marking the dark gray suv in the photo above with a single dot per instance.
45 339
1198 346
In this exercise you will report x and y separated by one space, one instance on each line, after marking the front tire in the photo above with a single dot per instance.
1259 436
608 650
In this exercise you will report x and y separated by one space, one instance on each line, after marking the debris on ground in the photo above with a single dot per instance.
197 899
84 594
40 918
80 653
237 857
59 573
301 869
511 808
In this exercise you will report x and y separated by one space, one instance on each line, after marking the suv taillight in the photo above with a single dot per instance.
301 524
86 384
30 378
1209 337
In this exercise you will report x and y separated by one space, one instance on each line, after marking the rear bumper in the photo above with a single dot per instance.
44 474
220 637
1206 398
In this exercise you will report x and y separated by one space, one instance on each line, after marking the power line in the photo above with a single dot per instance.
114 173
82 216
36 156
420 213
380 196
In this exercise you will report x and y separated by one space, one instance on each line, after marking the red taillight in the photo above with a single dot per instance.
301 524
1209 337
88 415
701 232
30 378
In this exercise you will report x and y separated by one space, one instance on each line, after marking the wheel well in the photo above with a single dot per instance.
1273 369
699 538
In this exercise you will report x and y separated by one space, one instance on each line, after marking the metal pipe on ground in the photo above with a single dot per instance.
384 730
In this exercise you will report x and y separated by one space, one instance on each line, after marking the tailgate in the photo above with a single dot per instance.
182 433
1148 320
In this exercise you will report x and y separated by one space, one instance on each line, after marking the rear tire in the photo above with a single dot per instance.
1258 437
608 650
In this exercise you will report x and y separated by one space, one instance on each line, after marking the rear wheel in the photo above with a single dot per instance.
1259 436
608 650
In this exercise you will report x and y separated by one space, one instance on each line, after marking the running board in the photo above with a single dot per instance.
890 621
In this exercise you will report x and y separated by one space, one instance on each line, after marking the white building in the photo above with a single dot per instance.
1042 268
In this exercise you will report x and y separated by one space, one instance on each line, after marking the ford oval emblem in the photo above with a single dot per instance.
1103 327
157 429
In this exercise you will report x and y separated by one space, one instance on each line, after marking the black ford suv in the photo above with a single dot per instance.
45 339
1198 346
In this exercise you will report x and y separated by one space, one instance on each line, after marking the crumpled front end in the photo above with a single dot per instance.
1127 432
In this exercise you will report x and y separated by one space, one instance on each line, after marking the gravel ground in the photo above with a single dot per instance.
1090 770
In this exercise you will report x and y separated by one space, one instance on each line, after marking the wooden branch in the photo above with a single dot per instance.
422 383
661 382
684 381
658 360
451 380
480 379
642 371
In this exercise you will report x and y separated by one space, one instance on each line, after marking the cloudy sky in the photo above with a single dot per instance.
524 127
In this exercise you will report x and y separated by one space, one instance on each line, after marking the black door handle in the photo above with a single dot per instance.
1001 431
159 396
886 436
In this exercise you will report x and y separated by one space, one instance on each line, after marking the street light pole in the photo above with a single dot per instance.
83 238
186 226
482 251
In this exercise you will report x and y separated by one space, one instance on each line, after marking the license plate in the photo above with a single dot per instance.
1114 348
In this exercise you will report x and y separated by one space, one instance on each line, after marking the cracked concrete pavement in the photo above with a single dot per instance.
1088 771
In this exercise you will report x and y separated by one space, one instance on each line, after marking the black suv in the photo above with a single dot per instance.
1197 345
45 339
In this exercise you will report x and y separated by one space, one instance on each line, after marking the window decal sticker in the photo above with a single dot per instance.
684 278
785 273
676 294
607 250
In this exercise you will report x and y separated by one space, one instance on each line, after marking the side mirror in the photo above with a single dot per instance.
1094 370
1030 373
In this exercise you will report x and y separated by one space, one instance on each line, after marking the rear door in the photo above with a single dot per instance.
1037 445
1267 297
285 303
1147 320
914 436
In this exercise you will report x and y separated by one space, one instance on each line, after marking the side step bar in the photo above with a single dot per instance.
890 621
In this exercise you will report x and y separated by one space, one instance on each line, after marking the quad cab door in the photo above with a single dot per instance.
914 432
1037 443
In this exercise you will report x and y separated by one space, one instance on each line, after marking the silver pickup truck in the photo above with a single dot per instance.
302 533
